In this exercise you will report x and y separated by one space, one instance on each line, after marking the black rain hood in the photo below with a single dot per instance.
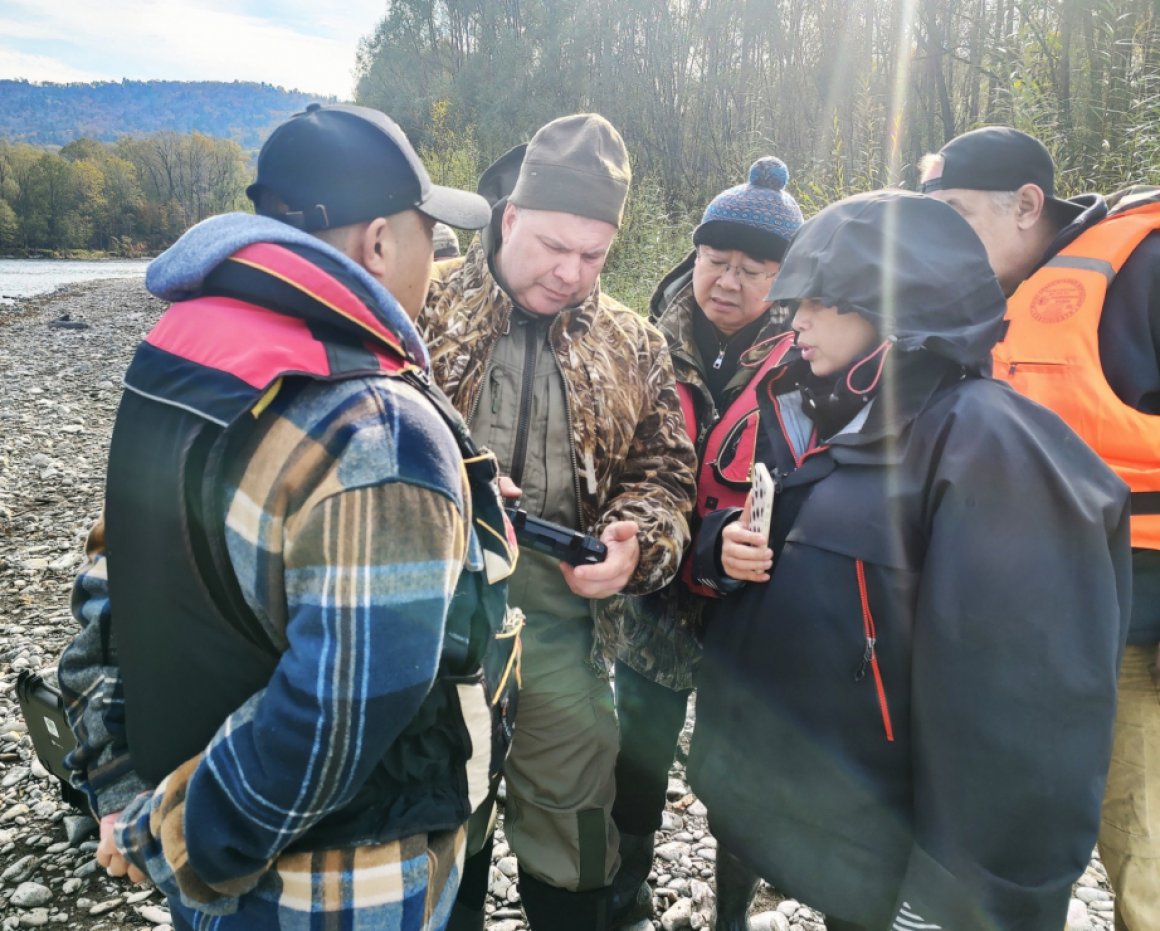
907 263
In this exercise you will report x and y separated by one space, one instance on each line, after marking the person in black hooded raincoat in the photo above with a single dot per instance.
906 704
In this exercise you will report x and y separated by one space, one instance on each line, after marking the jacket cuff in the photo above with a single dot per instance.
706 554
114 797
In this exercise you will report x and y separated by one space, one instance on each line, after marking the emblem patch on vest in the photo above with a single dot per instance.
1057 301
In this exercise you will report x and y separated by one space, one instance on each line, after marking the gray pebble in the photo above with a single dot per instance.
31 895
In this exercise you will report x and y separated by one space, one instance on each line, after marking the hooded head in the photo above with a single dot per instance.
908 264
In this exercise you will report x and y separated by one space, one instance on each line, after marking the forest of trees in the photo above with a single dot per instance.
57 114
132 197
850 93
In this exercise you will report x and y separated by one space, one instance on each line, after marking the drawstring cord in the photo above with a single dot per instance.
515 661
881 352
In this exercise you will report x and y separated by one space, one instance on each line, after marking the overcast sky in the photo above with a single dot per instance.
306 45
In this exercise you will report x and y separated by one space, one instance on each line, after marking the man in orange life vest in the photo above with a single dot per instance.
1083 287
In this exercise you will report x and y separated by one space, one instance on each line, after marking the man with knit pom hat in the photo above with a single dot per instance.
576 396
711 308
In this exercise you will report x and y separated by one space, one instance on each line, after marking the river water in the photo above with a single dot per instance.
21 278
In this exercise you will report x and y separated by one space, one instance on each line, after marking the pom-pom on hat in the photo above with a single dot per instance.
759 217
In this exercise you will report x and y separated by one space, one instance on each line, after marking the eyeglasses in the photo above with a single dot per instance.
719 267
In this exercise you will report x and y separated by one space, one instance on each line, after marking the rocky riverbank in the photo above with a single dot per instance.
61 357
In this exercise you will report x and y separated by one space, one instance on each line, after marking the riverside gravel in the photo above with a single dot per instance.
61 360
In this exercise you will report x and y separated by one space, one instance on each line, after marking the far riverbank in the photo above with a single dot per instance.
24 278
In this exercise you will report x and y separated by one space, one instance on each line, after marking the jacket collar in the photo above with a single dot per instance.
910 382
180 272
1092 209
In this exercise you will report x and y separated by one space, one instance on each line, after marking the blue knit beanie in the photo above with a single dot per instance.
759 218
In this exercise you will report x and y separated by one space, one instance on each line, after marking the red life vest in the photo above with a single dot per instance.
727 458
1051 354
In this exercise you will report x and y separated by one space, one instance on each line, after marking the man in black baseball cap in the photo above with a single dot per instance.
349 176
337 164
284 621
1083 338
1003 182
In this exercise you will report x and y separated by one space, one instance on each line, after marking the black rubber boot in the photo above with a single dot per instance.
549 908
630 901
736 884
467 914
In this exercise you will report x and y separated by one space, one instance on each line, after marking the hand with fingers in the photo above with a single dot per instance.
607 578
745 554
110 858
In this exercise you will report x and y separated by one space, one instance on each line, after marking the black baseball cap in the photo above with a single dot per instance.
335 164
997 158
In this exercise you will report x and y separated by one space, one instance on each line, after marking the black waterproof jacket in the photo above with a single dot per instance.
910 724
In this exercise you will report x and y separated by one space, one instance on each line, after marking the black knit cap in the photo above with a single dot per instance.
997 158
338 164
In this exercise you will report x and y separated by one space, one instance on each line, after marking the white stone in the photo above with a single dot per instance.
108 905
678 916
700 892
500 886
20 870
37 918
31 895
769 921
154 914
1077 916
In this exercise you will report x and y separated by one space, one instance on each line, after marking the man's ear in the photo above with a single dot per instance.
1029 203
509 218
376 247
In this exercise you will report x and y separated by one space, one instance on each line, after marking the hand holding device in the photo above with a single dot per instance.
565 544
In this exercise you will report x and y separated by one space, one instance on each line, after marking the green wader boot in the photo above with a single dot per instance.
736 885
631 899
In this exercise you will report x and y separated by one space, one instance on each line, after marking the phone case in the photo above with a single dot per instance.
761 501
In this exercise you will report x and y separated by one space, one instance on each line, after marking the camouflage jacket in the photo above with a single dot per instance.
632 459
660 632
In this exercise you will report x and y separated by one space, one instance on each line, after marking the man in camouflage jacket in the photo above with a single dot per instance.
575 393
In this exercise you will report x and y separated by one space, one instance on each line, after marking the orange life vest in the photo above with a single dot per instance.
1051 354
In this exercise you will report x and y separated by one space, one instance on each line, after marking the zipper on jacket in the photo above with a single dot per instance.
869 652
520 452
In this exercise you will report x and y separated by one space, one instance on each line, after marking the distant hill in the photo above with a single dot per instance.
56 114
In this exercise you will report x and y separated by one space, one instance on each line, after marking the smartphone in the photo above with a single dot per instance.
761 500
